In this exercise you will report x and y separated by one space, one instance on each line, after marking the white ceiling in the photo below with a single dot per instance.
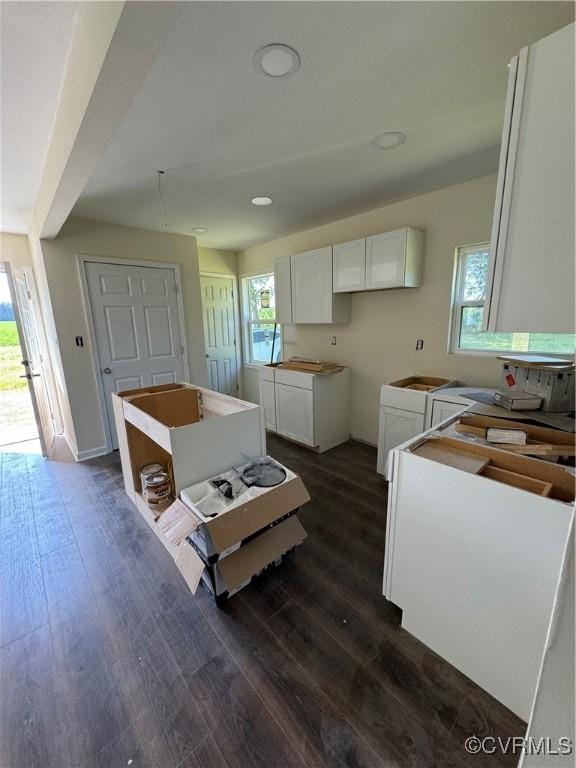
34 37
434 70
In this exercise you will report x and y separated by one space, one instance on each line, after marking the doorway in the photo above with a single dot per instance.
137 327
26 414
220 332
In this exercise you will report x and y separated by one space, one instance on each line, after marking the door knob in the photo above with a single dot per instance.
107 370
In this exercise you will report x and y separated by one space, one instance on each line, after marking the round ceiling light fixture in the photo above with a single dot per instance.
276 61
199 230
388 140
262 201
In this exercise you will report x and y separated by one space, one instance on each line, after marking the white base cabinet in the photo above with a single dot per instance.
443 404
268 402
311 409
396 427
474 564
405 412
295 413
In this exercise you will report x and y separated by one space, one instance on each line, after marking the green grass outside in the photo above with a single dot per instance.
545 343
10 357
8 333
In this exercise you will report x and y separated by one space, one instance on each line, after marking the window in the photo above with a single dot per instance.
262 336
468 308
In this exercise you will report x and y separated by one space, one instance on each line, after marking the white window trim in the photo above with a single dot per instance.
247 322
456 315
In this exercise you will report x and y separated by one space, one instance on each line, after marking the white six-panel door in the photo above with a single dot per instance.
220 333
137 328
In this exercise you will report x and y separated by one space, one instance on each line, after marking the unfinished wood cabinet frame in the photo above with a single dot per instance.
224 431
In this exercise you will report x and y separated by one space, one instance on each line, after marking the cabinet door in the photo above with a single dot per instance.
396 427
532 266
441 409
295 413
268 402
349 262
312 286
386 260
283 289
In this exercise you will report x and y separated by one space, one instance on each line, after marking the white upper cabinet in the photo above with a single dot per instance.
531 280
313 300
394 259
311 286
283 289
349 262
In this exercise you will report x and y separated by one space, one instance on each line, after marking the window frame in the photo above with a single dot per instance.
458 304
247 322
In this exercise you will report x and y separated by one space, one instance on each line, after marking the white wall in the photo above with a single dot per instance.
218 261
379 342
15 249
82 416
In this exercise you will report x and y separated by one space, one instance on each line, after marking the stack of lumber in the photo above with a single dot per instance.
528 447
310 366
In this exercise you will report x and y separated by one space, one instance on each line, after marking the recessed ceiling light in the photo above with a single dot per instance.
389 140
261 201
276 61
199 230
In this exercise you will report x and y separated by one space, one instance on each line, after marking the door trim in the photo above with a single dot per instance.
28 271
237 328
81 261
25 354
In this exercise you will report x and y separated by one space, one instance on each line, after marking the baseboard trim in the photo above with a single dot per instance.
92 453
364 442
71 448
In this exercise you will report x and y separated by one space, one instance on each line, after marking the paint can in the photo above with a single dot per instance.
149 469
157 491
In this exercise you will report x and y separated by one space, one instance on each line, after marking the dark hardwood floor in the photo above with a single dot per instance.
107 660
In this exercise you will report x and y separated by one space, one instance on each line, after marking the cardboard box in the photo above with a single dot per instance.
554 384
199 541
237 520
231 574
249 533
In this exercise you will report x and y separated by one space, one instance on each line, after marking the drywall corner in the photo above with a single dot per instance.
37 260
